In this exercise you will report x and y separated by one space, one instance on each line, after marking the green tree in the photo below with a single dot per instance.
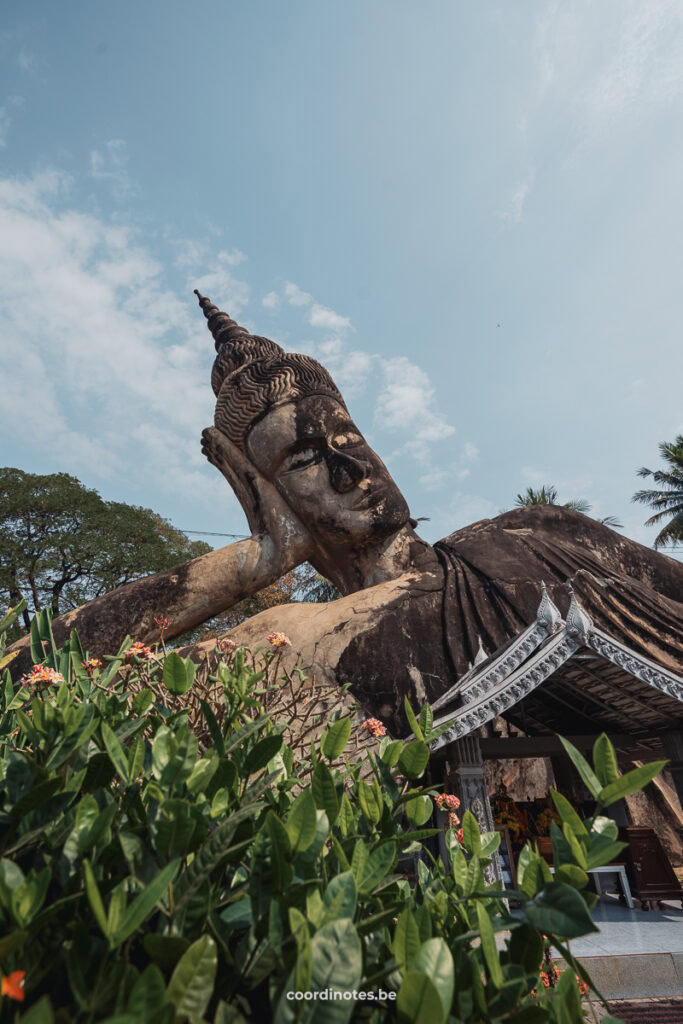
62 545
547 495
667 500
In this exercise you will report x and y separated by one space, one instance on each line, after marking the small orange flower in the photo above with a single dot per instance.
374 727
90 664
279 640
13 986
41 677
139 650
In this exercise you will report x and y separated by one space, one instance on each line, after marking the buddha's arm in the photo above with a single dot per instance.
188 595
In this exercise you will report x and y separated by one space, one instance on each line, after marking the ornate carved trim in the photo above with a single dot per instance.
510 691
638 666
478 681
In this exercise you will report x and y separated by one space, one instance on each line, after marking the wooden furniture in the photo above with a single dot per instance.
650 873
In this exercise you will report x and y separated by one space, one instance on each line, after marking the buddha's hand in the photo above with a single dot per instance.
266 511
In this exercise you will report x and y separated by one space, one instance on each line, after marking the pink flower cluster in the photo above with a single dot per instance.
40 677
279 640
227 646
374 727
90 664
453 822
139 650
451 802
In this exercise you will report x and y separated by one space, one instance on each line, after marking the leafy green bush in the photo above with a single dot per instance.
148 877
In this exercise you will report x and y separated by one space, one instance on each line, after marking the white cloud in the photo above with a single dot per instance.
320 316
295 296
407 402
231 257
271 300
109 369
470 452
110 164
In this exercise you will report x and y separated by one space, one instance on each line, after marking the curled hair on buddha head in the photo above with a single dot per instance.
251 375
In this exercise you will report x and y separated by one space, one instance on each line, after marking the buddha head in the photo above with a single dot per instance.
284 412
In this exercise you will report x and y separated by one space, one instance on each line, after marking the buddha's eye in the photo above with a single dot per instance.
304 457
347 439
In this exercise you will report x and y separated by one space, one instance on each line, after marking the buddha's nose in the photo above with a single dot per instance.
345 471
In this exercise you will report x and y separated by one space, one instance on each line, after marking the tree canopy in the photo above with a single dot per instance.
667 499
61 544
547 495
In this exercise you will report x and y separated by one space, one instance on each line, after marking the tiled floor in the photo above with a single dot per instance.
624 931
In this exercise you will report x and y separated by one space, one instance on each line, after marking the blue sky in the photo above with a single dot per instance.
470 213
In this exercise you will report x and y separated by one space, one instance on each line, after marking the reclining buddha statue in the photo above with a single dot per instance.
412 615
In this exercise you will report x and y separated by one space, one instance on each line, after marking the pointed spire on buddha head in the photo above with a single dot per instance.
252 374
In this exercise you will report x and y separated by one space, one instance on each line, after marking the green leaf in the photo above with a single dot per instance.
262 753
346 816
336 958
335 738
434 959
202 773
343 885
379 864
629 783
414 758
488 945
301 822
560 910
144 903
390 752
94 898
470 833
116 752
299 928
39 1013
605 760
589 777
175 674
418 810
191 985
412 720
325 792
148 993
572 874
418 1001
406 939
575 846
426 721
370 801
567 813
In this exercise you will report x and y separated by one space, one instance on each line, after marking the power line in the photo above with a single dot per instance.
208 533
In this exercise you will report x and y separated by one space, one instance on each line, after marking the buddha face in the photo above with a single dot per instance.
327 473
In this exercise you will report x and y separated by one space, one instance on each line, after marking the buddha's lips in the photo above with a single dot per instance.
368 499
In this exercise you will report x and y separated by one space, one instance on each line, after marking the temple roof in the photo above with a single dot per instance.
566 676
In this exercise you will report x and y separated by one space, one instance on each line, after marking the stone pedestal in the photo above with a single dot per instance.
467 779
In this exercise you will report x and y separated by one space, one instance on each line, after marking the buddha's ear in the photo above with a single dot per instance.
240 472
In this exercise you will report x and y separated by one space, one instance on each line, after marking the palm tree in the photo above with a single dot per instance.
547 495
668 500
